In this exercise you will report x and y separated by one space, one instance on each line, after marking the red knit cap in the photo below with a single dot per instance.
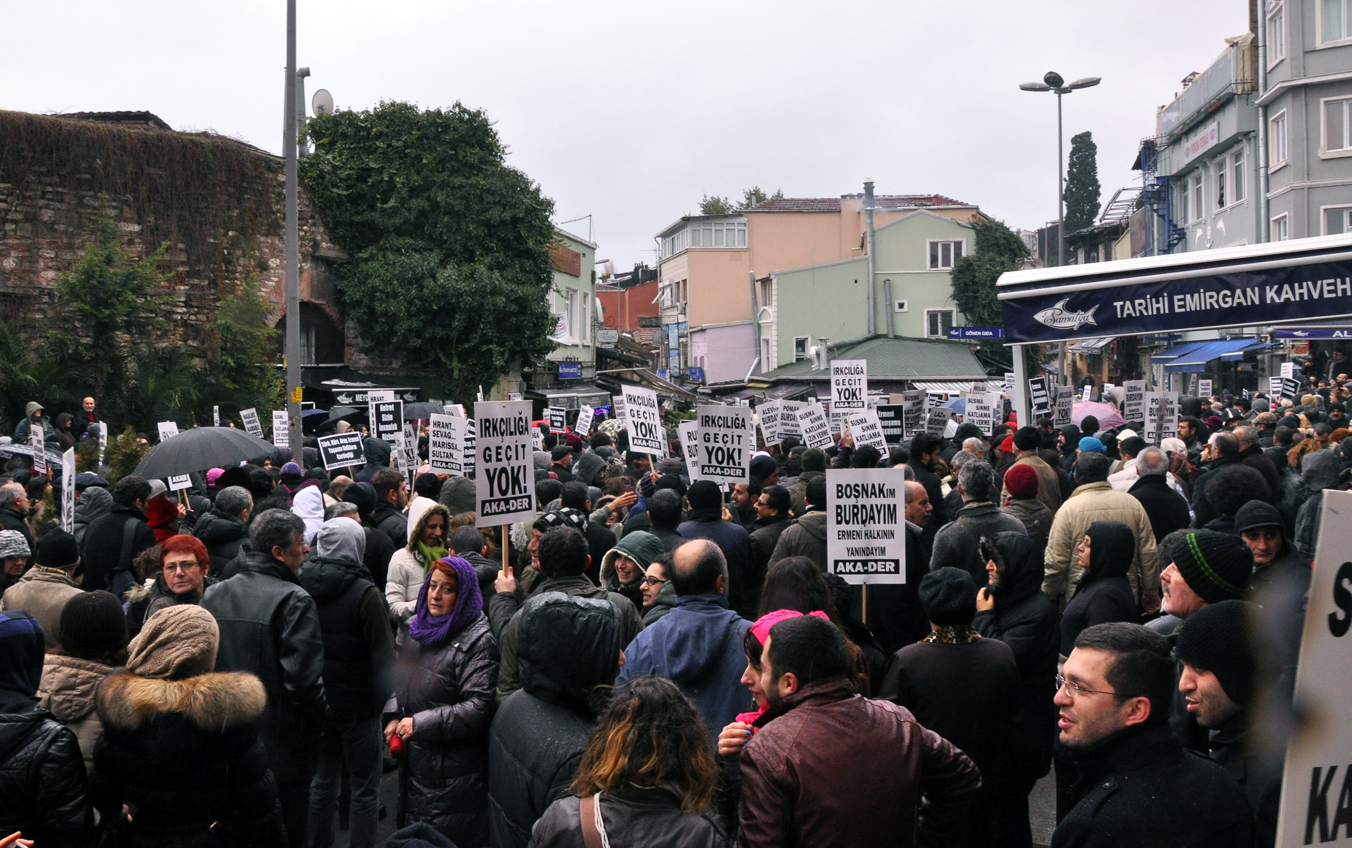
1021 481
160 511
1007 446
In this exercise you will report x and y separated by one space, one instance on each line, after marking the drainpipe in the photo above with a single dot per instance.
887 307
868 227
1260 38
755 325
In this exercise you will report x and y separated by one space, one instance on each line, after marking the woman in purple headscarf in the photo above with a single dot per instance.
444 690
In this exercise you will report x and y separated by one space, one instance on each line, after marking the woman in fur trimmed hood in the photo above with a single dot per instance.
179 751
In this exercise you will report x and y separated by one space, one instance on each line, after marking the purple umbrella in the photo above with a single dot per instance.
1107 414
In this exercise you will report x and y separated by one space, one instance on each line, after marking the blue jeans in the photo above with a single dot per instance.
357 745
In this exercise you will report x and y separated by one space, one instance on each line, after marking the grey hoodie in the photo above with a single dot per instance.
587 467
94 502
1318 471
341 538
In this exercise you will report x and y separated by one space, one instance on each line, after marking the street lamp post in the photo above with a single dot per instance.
291 343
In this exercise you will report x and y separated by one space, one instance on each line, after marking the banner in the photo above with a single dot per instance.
867 429
1133 403
644 421
582 426
1065 405
281 428
558 419
445 451
341 450
866 524
983 411
689 431
68 491
251 425
816 427
387 421
505 481
1040 396
727 438
892 418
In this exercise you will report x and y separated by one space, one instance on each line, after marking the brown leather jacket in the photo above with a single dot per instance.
869 763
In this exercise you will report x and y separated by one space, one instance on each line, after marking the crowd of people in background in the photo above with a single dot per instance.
658 661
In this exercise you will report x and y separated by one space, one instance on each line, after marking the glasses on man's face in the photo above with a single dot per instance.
184 567
653 581
1076 689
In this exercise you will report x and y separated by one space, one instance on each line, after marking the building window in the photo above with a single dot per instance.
1184 214
1281 230
676 242
1333 21
586 319
1337 220
1277 138
800 348
1230 178
718 234
938 322
1276 33
1337 125
765 364
767 292
1195 202
942 254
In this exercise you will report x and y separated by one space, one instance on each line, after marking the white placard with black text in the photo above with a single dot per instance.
866 524
505 479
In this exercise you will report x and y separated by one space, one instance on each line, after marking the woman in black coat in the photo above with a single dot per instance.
444 690
1013 609
1103 592
179 746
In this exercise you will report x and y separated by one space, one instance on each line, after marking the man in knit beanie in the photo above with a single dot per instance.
1022 501
1026 442
1208 567
1217 683
46 588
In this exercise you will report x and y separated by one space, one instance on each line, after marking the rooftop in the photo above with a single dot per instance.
895 359
833 204
136 119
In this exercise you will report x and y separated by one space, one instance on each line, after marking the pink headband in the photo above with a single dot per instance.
761 629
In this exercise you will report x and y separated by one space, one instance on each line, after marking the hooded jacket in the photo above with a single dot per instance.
1067 451
308 505
223 535
957 543
697 646
1098 502
1318 472
663 603
68 687
569 647
94 502
587 467
377 459
804 537
642 548
1025 620
1104 592
25 428
184 754
270 628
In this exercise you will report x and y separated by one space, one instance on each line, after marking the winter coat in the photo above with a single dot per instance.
1233 747
68 687
1204 508
1025 620
104 554
798 492
663 603
764 537
568 646
1319 472
957 544
1048 485
1165 507
43 592
448 691
1035 518
735 543
403 583
697 646
1254 457
904 785
1098 502
94 502
633 815
223 535
43 787
358 646
377 459
185 754
392 523
895 616
1104 593
935 489
806 536
1139 787
24 431
487 572
270 628
11 520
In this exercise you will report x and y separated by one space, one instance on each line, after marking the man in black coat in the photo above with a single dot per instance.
924 450
1165 507
600 538
1137 786
772 517
270 628
224 529
112 541
391 499
705 521
379 548
14 512
1220 451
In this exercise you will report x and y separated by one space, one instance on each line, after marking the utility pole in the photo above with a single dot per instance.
292 342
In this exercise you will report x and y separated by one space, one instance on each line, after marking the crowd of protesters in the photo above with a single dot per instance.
654 661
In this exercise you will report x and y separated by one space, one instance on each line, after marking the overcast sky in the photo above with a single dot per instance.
631 111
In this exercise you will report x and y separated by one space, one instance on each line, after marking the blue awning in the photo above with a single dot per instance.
1177 350
1197 358
1254 345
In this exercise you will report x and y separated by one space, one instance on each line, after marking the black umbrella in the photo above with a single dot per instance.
18 448
200 449
421 411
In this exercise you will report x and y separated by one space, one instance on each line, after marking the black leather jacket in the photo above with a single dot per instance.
43 788
270 627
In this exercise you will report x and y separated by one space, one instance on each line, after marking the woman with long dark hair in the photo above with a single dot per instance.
647 778
444 689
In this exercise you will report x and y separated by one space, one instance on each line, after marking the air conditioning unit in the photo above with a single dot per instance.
903 306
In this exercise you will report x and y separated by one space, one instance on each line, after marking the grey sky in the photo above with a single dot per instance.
631 111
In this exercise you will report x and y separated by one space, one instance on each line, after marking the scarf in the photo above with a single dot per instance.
961 634
430 555
433 630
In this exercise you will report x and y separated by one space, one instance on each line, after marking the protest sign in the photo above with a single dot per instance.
410 447
216 416
1275 387
68 491
1204 388
167 430
504 484
644 421
103 441
913 406
281 428
1316 793
180 482
373 397
771 413
867 429
936 419
816 428
983 411
788 419
1288 369
1087 394
1065 405
1039 395
456 409
445 452
1290 388
1161 416
39 452
1133 403
1009 382
538 439
469 446
585 414
251 424
558 419
617 408
341 450
726 441
689 431
387 421
849 385
892 419
866 524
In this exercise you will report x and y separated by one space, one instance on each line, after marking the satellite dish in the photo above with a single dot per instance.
322 103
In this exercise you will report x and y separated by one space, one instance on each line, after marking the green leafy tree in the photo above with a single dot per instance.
998 249
716 205
753 197
18 385
450 267
1082 185
240 356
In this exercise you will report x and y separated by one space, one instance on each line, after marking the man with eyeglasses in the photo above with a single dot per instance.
1136 785
659 595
